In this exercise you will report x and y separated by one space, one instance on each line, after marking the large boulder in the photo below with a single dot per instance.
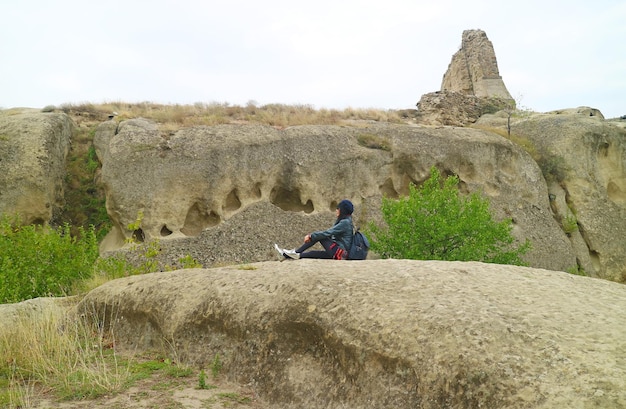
34 309
180 185
33 149
451 108
384 333
584 158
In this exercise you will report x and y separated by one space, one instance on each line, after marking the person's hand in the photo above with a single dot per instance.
307 238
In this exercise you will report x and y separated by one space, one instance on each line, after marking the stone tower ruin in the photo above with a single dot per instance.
474 69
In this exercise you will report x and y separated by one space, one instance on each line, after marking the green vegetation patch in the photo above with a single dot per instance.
436 222
40 261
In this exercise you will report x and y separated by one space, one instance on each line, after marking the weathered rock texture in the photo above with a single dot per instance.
34 309
183 184
474 69
584 158
384 333
454 108
227 193
33 149
471 87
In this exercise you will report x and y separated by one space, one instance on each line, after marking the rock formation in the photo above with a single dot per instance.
187 184
225 194
384 333
33 149
474 69
584 158
471 87
451 109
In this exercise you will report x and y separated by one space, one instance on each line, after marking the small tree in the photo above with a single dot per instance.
436 222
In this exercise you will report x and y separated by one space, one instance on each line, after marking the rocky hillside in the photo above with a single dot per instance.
195 179
374 333
209 186
226 193
583 158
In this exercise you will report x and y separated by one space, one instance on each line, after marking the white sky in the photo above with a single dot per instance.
327 53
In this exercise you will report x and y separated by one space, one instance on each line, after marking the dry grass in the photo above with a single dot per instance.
522 141
57 359
69 356
171 117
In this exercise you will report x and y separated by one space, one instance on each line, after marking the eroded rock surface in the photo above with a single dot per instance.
451 108
33 149
584 158
474 69
471 86
186 183
384 333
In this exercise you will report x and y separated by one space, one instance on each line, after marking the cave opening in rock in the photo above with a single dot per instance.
232 202
139 236
165 231
289 200
199 218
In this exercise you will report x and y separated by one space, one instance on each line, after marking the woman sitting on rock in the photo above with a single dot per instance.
336 240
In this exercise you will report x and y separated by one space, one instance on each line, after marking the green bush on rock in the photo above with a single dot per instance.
39 261
436 222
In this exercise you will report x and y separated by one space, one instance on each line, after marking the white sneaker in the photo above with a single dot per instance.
278 249
281 253
292 254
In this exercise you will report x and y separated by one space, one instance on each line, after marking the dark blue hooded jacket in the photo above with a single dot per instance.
340 233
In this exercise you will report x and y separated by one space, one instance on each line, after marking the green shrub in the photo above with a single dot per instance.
577 270
189 262
435 222
39 261
570 224
84 197
142 258
216 366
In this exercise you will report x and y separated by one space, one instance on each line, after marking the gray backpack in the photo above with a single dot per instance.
360 246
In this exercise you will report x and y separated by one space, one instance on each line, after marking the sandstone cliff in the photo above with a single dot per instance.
187 184
384 333
225 194
584 158
33 149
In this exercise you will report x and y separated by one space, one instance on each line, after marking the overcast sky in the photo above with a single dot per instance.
326 53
